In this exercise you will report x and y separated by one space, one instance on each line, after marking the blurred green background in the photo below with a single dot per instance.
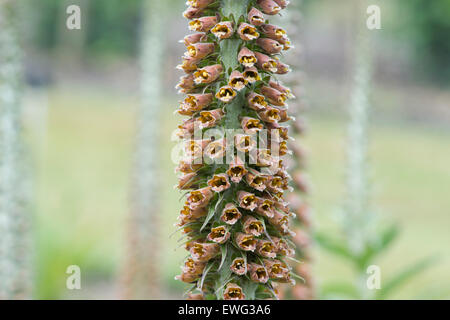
80 108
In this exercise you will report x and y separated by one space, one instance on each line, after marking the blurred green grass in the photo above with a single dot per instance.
82 165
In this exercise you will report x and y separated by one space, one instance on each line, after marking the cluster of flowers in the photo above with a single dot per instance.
235 218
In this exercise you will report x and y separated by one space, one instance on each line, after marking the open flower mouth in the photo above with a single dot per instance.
255 228
261 273
248 61
248 201
195 25
250 32
270 65
251 76
231 215
237 171
219 234
222 30
215 150
238 266
248 243
226 94
238 83
201 76
219 183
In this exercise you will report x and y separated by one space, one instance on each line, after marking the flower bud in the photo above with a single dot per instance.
269 45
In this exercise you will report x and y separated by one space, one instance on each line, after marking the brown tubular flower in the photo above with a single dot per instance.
233 292
282 3
265 207
219 234
200 50
256 101
201 4
226 94
246 57
258 273
237 81
266 248
223 30
238 266
208 74
251 125
269 7
203 24
251 75
252 226
256 180
236 170
247 200
199 198
255 17
235 214
269 45
266 63
219 182
274 96
230 214
245 242
203 252
208 119
193 38
247 32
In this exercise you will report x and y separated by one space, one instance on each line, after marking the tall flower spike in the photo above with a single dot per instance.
235 217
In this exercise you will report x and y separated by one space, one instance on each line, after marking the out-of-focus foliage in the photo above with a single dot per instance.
428 31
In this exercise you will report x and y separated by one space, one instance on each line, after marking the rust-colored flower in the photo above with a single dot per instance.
199 198
208 74
270 114
219 182
255 17
188 215
247 200
187 181
187 167
269 45
194 102
246 57
252 226
186 84
265 207
282 68
193 38
273 32
219 234
199 3
282 3
200 50
245 242
237 80
258 273
247 32
193 267
276 268
223 30
192 13
195 296
244 142
203 252
251 75
236 170
256 180
256 101
216 149
251 125
274 96
203 24
230 214
210 118
226 94
266 248
189 64
265 62
238 266
233 292
269 7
